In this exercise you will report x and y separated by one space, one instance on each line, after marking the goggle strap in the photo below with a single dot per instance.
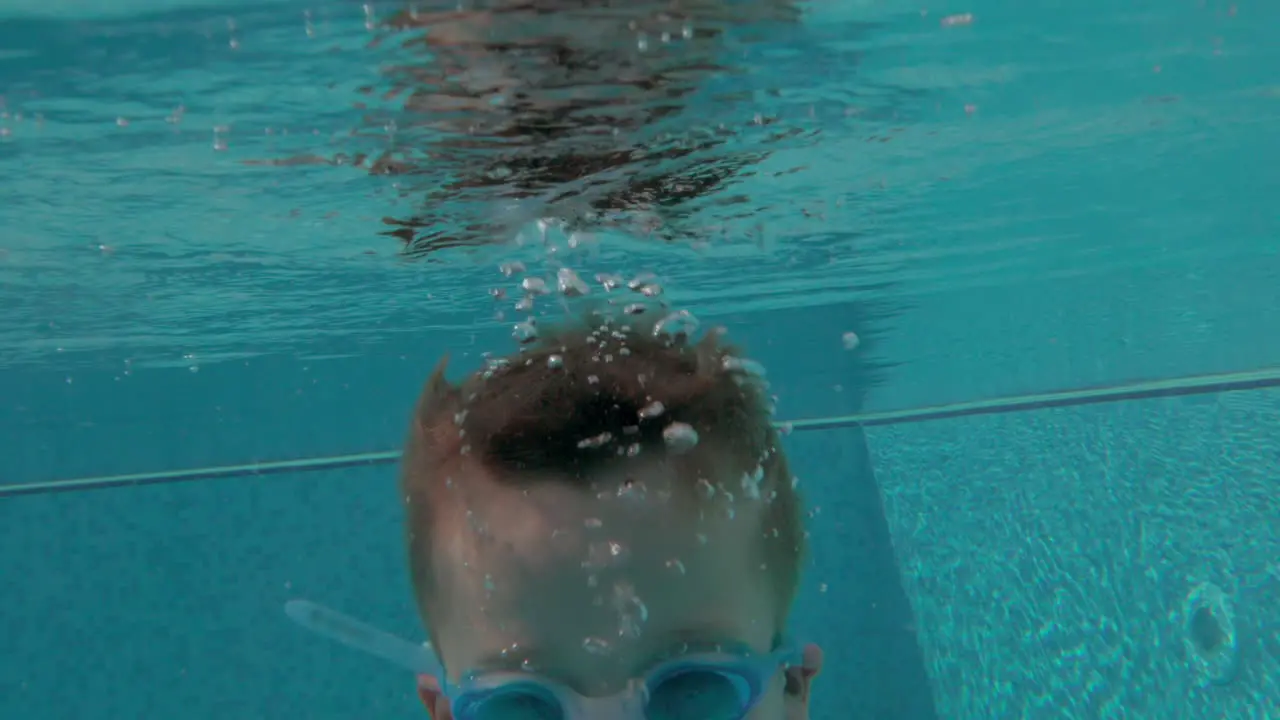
361 636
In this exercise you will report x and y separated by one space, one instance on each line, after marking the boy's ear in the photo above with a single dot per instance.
433 699
800 680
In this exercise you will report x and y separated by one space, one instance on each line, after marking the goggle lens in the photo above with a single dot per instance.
699 694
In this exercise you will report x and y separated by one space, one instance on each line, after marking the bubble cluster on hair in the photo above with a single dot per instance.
606 388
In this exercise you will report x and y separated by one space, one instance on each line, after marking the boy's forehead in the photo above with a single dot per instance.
535 519
548 563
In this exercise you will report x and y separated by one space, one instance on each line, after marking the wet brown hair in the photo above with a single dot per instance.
572 401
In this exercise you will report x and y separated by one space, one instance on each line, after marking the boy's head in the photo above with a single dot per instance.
611 498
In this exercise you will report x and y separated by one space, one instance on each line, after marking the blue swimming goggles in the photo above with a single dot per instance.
701 686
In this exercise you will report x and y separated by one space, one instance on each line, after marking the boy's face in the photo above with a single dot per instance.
592 588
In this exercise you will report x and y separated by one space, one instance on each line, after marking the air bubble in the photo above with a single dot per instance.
534 286
706 488
850 341
677 323
555 362
605 554
508 651
632 490
680 437
675 564
731 363
597 646
641 280
608 281
634 309
569 284
511 268
632 612
477 525
595 441
525 332
751 482
652 410
956 20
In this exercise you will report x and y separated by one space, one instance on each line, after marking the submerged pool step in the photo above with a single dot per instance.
1194 385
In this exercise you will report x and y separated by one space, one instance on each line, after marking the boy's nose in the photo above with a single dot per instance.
614 708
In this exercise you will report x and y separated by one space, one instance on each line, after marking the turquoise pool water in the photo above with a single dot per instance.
1049 453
